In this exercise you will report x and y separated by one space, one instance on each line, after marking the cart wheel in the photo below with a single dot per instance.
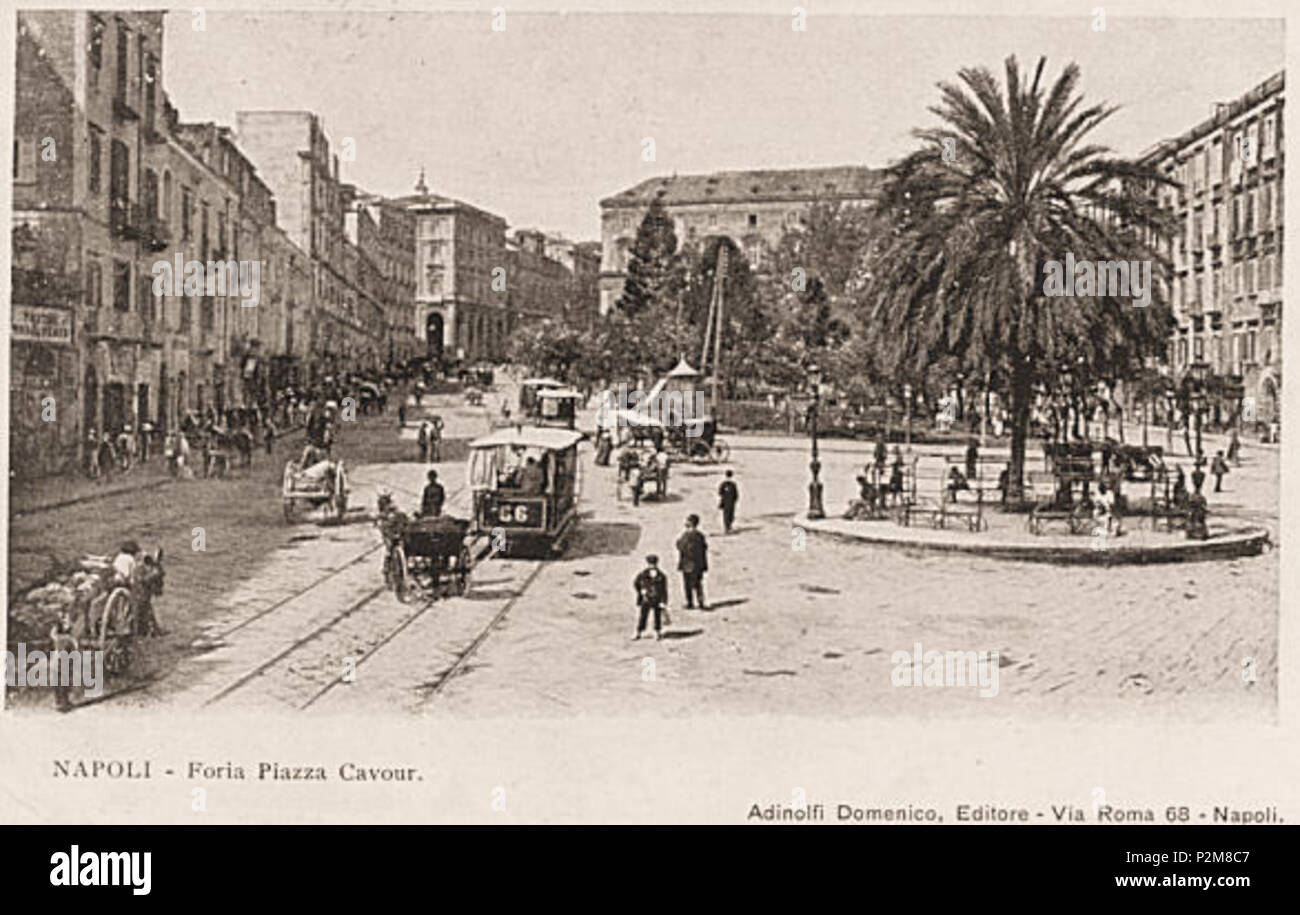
720 452
117 610
401 581
117 656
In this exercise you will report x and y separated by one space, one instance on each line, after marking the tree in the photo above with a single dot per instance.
812 292
1000 191
653 268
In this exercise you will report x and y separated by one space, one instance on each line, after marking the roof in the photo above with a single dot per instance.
838 182
542 383
529 437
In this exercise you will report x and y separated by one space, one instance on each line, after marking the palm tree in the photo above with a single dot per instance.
1006 184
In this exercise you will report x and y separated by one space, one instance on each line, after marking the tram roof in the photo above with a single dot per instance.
545 437
542 383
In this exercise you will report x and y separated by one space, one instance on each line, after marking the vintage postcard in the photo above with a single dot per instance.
827 413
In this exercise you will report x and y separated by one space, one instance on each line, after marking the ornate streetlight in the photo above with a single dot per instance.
1198 371
815 509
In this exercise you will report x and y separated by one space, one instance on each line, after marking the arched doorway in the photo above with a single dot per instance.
433 329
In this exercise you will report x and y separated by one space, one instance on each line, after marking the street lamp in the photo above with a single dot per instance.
815 509
907 413
1198 371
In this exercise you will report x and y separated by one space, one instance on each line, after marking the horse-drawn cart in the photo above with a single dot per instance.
323 485
425 553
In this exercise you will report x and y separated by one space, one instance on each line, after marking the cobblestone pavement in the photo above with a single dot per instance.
278 615
812 631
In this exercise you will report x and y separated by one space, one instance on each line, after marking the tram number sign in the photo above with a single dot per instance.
519 514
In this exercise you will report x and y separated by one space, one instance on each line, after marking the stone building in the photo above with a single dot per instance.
292 153
114 200
753 208
461 276
88 109
385 236
1227 258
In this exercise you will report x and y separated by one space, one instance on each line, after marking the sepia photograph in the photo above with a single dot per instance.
430 369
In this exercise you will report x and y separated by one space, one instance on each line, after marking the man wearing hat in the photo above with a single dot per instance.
693 561
434 496
651 587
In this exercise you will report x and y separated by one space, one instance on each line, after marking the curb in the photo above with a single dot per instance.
1246 541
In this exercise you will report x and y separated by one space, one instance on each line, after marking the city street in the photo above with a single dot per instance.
295 617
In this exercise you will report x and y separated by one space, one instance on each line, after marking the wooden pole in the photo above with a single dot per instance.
719 284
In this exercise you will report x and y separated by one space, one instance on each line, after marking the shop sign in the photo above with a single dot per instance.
42 325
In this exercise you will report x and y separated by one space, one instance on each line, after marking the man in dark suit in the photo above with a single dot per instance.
651 588
728 496
693 561
434 496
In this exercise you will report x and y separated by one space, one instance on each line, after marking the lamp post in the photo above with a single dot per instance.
907 414
815 509
1198 371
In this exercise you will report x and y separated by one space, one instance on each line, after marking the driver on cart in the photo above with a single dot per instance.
434 496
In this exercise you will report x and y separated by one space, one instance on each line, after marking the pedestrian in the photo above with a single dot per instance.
1198 476
434 496
423 439
268 434
92 455
881 455
661 462
401 415
435 439
972 458
728 496
1234 448
636 480
693 562
651 586
1218 467
146 432
106 456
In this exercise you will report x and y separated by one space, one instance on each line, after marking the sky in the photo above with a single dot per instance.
540 121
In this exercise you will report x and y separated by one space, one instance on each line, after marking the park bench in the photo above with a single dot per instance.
1043 487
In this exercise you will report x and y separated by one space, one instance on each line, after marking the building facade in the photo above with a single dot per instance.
385 237
753 208
461 272
293 155
1226 286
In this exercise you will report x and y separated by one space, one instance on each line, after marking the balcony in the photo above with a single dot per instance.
157 233
124 219
123 112
43 287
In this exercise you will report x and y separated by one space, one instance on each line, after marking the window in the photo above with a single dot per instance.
1236 218
151 194
25 160
221 233
1237 284
94 285
122 285
1250 277
1250 213
187 313
96 49
187 214
119 175
123 58
1266 273
1199 348
150 89
167 196
206 314
144 298
1218 219
203 231
1265 206
96 157
753 220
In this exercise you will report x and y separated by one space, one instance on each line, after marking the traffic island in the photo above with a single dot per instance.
1004 541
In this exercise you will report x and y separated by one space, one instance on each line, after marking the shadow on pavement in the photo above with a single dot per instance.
603 538
682 633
